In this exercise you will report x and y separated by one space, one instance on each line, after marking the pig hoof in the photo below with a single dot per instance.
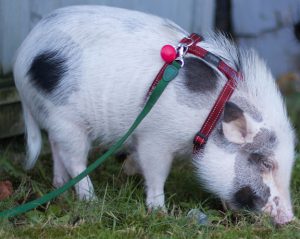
59 182
88 197
225 205
162 211
130 167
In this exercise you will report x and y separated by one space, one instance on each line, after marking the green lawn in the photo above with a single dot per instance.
120 211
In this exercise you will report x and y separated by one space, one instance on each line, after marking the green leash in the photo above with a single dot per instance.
169 74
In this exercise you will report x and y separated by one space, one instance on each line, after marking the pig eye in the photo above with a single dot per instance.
264 164
256 158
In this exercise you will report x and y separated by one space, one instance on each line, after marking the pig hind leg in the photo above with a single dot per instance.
60 173
70 148
131 166
154 162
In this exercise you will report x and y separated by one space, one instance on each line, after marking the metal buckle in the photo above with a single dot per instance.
182 49
202 136
191 41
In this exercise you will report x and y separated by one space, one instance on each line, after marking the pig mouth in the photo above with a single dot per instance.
278 215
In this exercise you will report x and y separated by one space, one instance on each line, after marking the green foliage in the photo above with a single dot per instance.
293 104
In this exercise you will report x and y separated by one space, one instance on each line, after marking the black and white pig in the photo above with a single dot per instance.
83 74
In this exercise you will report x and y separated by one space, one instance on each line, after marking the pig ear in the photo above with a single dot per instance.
238 127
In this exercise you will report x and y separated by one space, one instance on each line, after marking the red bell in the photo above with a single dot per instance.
168 53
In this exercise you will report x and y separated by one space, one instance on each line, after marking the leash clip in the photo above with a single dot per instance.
182 49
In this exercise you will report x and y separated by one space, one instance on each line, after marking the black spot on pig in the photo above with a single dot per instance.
197 83
199 77
244 198
263 143
47 70
247 198
252 192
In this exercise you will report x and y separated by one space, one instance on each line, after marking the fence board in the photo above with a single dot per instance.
19 16
15 26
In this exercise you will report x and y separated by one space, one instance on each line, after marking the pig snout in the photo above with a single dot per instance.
280 213
277 208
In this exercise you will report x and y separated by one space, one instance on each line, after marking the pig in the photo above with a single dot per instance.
83 74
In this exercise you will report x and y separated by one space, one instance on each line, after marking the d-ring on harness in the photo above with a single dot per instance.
167 73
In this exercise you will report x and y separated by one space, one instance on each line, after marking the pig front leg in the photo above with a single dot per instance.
155 161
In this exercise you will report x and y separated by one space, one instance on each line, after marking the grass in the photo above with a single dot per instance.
120 211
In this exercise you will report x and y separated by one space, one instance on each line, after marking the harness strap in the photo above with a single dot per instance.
193 39
232 76
157 79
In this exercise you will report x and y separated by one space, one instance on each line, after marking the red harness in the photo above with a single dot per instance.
233 76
